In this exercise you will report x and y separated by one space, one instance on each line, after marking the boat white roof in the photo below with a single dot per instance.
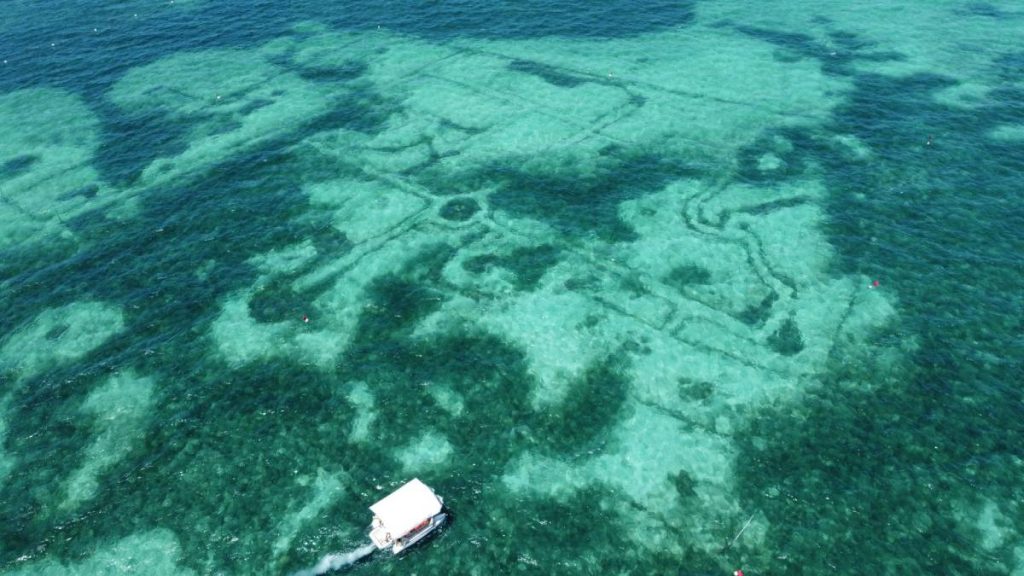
407 507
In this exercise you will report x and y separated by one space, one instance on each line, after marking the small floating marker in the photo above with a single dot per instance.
305 319
737 573
874 284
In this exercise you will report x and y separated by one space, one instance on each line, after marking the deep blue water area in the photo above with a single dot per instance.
86 46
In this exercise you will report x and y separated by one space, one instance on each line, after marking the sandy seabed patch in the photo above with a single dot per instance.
118 410
721 298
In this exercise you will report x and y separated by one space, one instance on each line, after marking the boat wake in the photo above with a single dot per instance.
333 562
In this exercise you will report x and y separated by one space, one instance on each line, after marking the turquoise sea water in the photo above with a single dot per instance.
639 288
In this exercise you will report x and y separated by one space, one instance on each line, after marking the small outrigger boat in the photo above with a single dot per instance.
406 516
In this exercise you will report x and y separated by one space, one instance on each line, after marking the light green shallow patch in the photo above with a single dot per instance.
364 210
50 138
362 398
55 337
325 489
990 524
285 260
426 455
389 237
118 410
646 451
231 100
449 400
1009 133
241 340
700 102
58 336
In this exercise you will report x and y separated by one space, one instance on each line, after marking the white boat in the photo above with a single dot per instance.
406 516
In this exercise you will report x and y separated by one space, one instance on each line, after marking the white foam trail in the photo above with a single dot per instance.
336 561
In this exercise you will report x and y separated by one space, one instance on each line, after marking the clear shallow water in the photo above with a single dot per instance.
601 276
